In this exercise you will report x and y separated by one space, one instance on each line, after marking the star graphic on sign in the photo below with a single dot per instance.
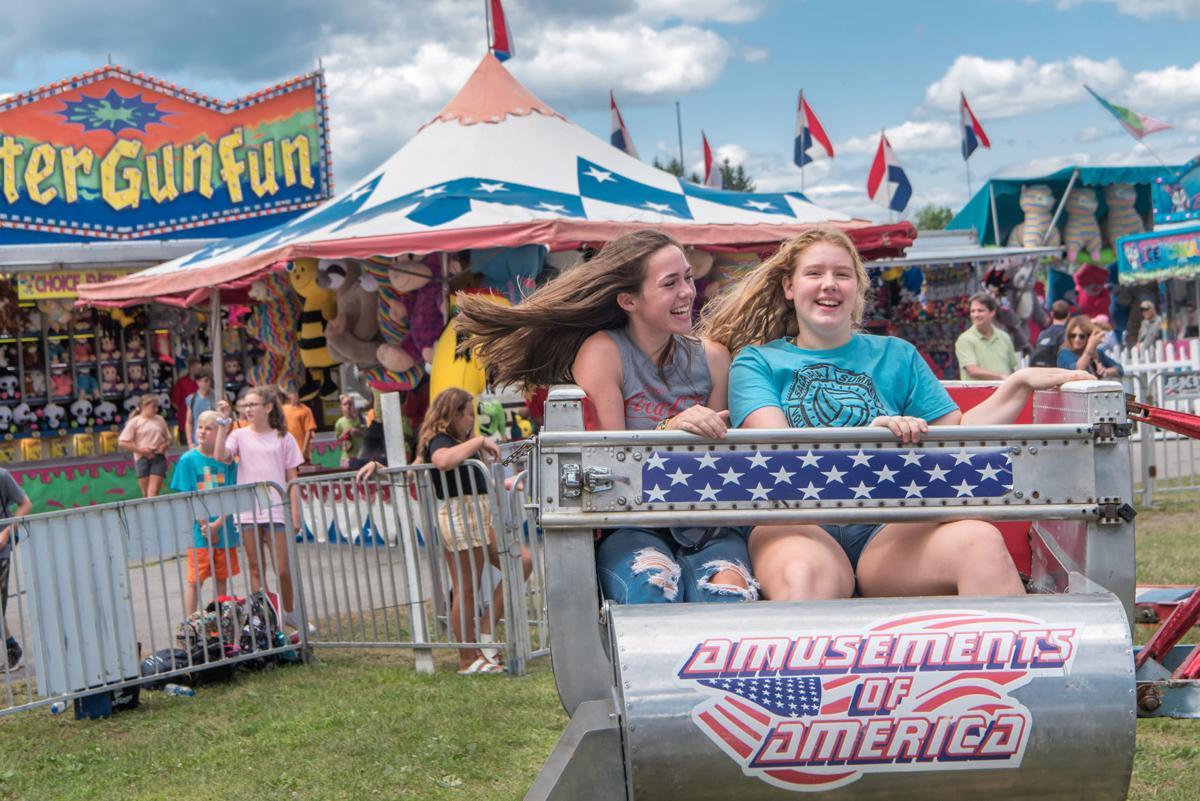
759 205
731 476
862 490
709 493
811 491
912 490
782 476
655 461
555 207
885 473
860 458
912 457
965 489
659 207
679 477
989 472
365 189
962 457
809 459
758 493
600 175
707 460
758 460
937 473
433 190
656 494
833 474
484 186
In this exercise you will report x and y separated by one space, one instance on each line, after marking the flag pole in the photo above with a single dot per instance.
887 180
967 165
1156 156
801 112
487 25
679 131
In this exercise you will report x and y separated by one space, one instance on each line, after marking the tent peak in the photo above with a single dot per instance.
490 95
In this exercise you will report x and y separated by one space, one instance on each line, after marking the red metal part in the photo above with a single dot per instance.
1190 667
1172 631
1179 422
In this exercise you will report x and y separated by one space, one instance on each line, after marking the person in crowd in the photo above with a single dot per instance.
180 390
215 538
619 326
1150 331
446 440
1109 346
984 352
266 452
1049 342
15 503
300 421
196 404
1081 349
349 428
146 435
800 362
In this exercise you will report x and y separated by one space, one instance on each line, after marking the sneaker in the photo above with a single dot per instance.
13 654
291 621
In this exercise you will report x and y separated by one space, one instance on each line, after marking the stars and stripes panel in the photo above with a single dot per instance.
672 477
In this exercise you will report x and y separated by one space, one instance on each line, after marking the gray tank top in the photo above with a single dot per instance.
648 398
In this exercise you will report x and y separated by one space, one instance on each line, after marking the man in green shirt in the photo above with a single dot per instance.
984 352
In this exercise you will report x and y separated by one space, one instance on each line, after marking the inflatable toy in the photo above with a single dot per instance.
1037 201
1082 232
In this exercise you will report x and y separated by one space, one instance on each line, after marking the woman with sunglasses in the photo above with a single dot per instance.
1081 349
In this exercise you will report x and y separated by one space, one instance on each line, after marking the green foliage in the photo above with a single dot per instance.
676 169
735 178
933 218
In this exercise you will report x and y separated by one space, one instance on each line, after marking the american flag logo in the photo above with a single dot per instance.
819 711
825 475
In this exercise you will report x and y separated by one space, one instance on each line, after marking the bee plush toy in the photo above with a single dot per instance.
320 306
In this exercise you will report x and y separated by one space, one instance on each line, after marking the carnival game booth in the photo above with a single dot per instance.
107 173
494 188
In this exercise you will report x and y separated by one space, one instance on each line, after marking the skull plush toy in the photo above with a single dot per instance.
81 412
52 416
106 413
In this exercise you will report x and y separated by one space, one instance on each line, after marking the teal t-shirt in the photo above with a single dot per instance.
194 472
867 377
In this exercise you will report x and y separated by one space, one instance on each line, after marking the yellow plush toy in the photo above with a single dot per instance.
320 306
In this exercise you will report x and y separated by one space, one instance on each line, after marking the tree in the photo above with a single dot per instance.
676 169
736 179
933 218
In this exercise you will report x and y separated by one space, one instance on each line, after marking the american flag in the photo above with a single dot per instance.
825 475
791 696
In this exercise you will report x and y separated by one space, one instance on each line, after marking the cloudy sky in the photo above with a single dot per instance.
734 66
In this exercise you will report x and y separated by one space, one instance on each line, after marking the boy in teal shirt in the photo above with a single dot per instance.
214 551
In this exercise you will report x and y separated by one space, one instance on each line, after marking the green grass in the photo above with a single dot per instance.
364 725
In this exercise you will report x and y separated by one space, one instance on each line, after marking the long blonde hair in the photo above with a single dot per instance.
439 419
756 311
535 342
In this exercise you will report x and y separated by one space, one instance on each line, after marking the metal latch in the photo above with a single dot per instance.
1109 432
593 479
1114 511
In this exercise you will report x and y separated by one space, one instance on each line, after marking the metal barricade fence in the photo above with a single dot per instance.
409 559
1165 462
94 590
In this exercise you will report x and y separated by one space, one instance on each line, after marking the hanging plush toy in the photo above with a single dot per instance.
399 369
1082 231
353 334
1037 201
320 305
1122 218
57 313
274 322
1091 284
451 369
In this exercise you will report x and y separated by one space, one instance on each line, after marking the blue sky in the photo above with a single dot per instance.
734 65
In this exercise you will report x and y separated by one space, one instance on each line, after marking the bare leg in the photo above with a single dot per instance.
799 563
153 485
143 485
283 566
190 594
250 535
465 568
497 605
963 557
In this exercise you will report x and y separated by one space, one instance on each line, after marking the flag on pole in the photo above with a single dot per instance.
502 43
887 183
808 131
712 170
1138 125
620 137
972 132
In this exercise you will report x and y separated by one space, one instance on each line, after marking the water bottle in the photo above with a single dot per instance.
179 689
58 707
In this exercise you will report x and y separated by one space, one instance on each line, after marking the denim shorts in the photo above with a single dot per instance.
853 538
156 465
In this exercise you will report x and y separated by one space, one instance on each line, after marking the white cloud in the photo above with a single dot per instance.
753 55
1091 134
1165 88
1008 88
911 136
701 10
1144 9
1042 165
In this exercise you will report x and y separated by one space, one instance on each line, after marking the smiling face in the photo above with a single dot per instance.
823 289
981 316
664 302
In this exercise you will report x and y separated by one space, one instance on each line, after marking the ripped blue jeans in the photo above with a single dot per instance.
659 566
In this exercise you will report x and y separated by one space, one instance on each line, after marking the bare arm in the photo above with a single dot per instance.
452 457
23 508
187 426
766 417
597 371
1003 406
220 452
979 374
718 359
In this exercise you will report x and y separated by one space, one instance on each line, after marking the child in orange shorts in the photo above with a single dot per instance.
214 552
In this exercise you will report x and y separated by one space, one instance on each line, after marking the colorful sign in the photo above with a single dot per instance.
62 283
1158 255
116 155
1178 200
925 692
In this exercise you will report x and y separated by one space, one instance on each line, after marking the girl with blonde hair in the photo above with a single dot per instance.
800 361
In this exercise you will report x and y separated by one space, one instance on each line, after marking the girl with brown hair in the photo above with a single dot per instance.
619 326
